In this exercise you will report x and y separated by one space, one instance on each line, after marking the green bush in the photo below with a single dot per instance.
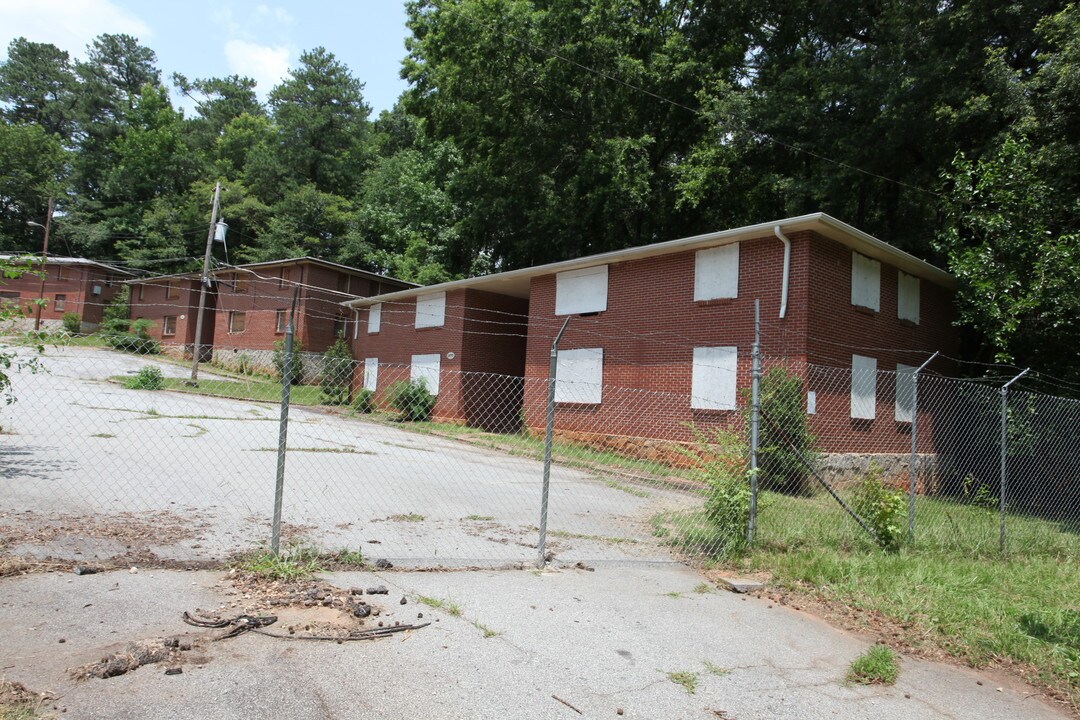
243 364
149 378
297 360
721 462
785 443
337 371
412 399
72 322
118 308
882 509
130 336
364 401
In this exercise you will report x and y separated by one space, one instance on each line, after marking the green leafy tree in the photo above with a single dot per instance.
38 86
32 164
337 374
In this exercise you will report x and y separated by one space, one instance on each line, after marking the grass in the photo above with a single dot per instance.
345 556
877 666
18 703
480 518
702 588
597 538
714 669
256 389
688 680
103 435
331 450
487 632
675 595
294 563
407 517
628 489
448 606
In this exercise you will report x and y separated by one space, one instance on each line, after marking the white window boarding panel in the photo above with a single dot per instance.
716 273
579 376
581 291
426 368
907 297
905 393
713 384
374 318
863 387
371 374
431 310
865 282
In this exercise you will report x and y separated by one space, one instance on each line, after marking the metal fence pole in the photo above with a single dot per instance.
755 421
283 429
914 436
549 430
1004 446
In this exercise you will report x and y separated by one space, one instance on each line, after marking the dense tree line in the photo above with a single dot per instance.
538 130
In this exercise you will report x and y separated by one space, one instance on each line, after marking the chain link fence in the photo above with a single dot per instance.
116 453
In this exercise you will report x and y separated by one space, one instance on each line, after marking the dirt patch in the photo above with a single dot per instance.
127 528
16 700
133 656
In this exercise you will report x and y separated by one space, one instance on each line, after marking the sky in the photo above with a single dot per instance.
206 38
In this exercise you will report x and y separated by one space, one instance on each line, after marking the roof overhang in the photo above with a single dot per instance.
516 283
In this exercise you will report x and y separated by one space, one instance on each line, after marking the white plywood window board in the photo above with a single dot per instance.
426 368
431 310
374 318
905 393
579 376
716 273
581 291
371 374
907 297
865 282
863 387
713 385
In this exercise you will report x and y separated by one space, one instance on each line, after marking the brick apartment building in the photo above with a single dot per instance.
72 285
660 336
248 307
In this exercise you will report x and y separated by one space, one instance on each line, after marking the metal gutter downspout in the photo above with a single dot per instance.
787 269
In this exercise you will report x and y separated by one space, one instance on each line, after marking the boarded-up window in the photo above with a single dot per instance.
172 290
60 300
581 291
863 387
905 393
426 368
431 310
865 282
240 283
580 376
907 297
237 321
343 283
283 277
142 292
716 273
374 318
371 374
168 325
713 382
61 272
281 321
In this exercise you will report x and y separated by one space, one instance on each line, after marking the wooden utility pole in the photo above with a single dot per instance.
205 286
44 269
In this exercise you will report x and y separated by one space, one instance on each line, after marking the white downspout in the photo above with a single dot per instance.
787 269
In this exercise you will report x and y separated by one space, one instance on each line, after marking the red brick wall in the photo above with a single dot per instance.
149 301
652 324
836 326
77 287
259 302
484 331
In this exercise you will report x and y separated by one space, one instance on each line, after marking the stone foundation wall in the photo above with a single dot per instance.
262 362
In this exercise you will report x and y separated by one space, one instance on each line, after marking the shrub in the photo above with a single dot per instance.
364 401
244 364
336 379
117 309
877 666
785 443
412 400
721 462
882 509
130 336
72 322
149 378
297 360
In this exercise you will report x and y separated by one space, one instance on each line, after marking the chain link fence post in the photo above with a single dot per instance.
1004 446
755 421
549 430
283 427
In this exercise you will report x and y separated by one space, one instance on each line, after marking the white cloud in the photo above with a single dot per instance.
68 24
267 65
279 14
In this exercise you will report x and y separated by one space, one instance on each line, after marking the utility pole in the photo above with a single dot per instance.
44 270
205 286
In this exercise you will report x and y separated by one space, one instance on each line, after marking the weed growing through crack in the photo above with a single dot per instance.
702 588
488 632
447 605
715 669
293 563
675 594
629 489
877 666
687 679
407 517
346 556
103 435
481 518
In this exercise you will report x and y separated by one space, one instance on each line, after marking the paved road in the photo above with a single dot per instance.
599 640
85 449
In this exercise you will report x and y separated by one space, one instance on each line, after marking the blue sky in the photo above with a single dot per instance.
206 38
